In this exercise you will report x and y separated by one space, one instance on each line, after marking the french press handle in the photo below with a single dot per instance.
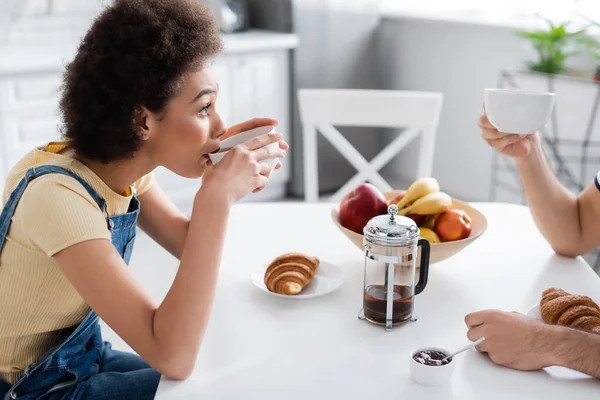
424 267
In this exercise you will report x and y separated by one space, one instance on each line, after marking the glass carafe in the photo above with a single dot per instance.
390 270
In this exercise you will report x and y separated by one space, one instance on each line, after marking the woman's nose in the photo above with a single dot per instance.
220 128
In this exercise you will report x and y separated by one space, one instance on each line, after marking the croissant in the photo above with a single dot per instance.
290 273
561 308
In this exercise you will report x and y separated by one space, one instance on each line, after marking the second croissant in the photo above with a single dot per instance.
562 308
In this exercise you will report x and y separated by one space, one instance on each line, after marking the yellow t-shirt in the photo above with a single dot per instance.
38 305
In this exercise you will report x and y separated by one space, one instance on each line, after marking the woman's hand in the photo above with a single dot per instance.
241 170
246 126
509 144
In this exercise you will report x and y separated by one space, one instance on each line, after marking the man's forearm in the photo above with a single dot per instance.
554 208
574 349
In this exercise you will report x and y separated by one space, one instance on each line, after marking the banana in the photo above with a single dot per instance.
433 203
420 188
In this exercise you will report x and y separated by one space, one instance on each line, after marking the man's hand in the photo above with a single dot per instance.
511 145
512 339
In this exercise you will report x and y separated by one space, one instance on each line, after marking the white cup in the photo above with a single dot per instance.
244 137
518 111
431 375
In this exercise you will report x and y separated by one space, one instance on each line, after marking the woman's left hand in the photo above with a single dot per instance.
252 124
246 126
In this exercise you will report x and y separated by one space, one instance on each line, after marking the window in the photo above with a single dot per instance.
500 9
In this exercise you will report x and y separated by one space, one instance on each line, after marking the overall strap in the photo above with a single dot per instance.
11 205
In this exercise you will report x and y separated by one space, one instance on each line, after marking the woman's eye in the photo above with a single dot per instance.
204 110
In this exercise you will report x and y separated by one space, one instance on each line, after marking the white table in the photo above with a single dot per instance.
262 347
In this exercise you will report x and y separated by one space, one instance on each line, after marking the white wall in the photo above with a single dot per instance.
459 60
338 44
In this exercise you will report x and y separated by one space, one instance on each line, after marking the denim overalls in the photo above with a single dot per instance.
83 366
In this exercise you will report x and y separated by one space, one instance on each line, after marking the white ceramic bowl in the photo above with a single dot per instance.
439 251
518 111
241 138
431 375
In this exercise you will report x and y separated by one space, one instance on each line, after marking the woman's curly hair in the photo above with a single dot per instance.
134 54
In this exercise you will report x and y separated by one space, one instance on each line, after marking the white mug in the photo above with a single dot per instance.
244 137
518 111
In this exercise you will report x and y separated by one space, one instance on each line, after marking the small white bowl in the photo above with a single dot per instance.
518 111
431 375
244 137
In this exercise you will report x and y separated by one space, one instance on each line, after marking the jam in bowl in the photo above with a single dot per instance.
427 367
433 358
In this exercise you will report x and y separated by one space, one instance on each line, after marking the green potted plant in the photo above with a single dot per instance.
553 46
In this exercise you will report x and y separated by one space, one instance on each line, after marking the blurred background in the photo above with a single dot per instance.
276 47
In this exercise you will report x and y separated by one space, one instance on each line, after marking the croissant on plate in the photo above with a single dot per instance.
561 308
290 273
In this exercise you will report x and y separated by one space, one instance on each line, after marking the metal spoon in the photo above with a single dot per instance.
467 347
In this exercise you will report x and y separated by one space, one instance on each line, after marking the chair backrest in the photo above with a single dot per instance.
373 108
322 109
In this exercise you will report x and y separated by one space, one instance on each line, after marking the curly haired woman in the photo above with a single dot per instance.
139 94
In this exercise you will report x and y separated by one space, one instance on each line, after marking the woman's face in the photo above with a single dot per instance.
190 127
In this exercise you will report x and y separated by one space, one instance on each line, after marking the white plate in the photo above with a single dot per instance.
535 312
328 279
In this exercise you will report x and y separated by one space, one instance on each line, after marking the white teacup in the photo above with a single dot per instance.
518 111
244 137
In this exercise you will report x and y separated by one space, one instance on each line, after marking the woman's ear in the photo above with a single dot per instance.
143 123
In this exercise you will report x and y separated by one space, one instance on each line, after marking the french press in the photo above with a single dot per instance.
391 243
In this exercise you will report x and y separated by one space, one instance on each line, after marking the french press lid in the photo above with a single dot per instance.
391 229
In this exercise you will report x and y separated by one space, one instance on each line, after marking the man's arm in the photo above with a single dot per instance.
567 221
576 350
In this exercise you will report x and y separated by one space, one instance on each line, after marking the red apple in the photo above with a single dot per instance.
453 225
396 199
360 205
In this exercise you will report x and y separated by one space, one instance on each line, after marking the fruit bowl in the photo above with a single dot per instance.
439 251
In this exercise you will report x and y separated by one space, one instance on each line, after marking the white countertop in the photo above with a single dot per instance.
261 346
39 57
